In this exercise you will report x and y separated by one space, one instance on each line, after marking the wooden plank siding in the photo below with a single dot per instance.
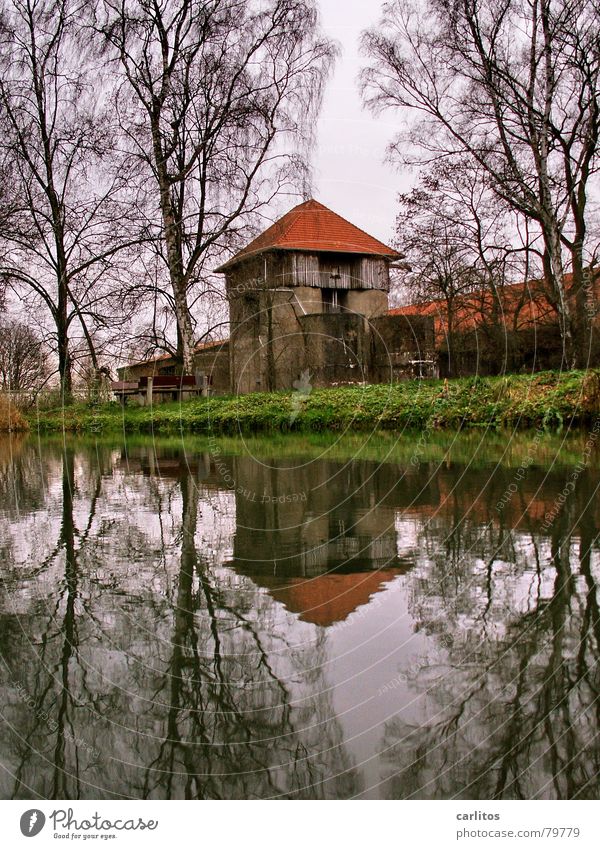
332 271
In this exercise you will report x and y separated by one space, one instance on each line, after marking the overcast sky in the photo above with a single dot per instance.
350 174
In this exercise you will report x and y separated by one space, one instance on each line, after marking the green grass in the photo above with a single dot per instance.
548 399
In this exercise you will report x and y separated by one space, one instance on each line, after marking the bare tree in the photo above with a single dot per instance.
23 358
153 329
215 95
515 86
463 248
57 139
440 270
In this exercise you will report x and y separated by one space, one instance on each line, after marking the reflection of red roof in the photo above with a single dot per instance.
329 598
524 511
520 306
310 226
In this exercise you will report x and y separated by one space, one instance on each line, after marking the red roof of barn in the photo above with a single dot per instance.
522 306
310 226
200 346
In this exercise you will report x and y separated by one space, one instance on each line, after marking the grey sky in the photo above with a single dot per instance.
350 174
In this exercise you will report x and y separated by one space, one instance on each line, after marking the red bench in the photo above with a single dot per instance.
175 385
168 382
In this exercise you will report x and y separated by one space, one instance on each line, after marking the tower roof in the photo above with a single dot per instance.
310 226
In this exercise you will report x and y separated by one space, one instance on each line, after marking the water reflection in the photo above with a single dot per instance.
187 623
320 537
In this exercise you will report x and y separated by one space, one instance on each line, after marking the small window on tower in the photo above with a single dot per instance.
331 300
251 305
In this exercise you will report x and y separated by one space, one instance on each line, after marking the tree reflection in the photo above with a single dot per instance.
234 727
157 677
43 663
512 711
150 650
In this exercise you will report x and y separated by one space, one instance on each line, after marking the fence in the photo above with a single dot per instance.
25 399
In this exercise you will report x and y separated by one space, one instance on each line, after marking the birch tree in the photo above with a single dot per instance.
68 220
216 103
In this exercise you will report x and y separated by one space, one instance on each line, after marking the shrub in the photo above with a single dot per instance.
11 420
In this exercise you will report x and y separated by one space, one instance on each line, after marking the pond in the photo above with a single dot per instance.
412 618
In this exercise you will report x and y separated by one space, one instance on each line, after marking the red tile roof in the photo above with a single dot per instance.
310 226
200 346
523 306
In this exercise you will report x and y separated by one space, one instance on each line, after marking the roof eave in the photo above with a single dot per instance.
392 256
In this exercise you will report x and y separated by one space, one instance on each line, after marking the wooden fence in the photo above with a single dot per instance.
45 398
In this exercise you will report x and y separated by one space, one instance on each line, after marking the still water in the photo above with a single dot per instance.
300 620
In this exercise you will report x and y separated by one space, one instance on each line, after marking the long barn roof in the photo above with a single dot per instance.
310 226
523 306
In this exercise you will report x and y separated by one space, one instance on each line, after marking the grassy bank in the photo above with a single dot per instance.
551 400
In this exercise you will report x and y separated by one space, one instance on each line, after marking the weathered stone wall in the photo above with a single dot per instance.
215 364
489 350
308 299
368 302
403 347
266 341
245 286
336 348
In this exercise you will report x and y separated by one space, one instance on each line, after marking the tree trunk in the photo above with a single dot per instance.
172 235
582 292
271 374
62 332
186 334
450 335
554 273
69 627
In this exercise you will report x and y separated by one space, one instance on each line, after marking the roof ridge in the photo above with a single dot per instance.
355 226
312 226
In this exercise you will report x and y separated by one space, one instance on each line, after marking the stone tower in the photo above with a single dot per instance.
304 300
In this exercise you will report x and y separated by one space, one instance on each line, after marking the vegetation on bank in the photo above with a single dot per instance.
550 400
11 419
